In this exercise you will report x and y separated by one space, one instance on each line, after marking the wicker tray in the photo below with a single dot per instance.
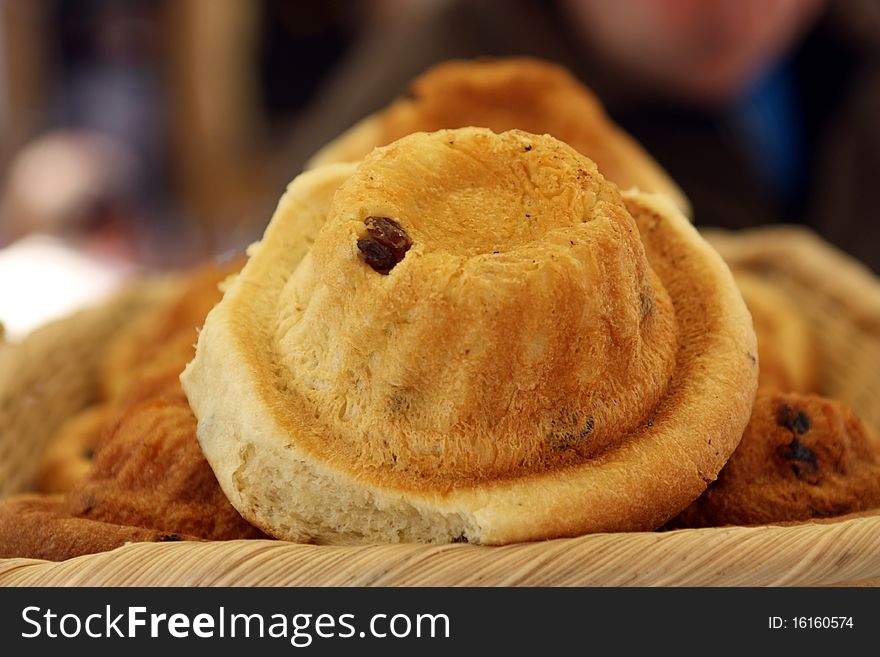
52 375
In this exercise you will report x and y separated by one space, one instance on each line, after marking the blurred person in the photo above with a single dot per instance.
65 227
71 183
762 110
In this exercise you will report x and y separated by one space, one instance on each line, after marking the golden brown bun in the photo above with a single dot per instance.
164 337
149 482
786 349
68 456
38 527
504 94
801 457
150 473
142 362
543 358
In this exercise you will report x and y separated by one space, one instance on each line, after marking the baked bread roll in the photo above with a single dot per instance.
165 337
149 482
148 479
39 527
801 457
142 362
68 456
471 337
503 94
786 348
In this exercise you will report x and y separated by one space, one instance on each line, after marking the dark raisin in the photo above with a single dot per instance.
528 148
385 244
805 465
568 438
461 538
794 421
588 428
785 417
646 304
558 441
377 255
170 538
388 232
89 454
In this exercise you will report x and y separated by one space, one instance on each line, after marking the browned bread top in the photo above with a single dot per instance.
505 94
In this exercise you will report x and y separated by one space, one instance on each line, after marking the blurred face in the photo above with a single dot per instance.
703 50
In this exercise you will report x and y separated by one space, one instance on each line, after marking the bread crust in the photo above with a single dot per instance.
802 457
786 345
68 456
148 479
504 94
301 473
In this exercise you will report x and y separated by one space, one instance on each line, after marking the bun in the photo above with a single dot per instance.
38 527
150 473
786 348
801 457
138 358
471 337
148 480
505 94
142 361
68 456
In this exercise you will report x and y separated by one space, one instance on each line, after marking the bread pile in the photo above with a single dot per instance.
129 468
452 333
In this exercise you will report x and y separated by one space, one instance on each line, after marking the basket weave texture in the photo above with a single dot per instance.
52 375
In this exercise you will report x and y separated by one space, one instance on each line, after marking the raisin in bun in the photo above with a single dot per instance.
485 341
801 457
503 94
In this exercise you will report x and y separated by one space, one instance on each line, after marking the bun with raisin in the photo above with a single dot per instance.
471 336
801 457
786 348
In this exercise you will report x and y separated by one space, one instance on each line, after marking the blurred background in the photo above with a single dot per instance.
144 135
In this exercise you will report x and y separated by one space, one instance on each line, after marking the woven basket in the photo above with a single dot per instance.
56 377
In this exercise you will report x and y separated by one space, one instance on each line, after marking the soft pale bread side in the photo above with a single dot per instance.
549 358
